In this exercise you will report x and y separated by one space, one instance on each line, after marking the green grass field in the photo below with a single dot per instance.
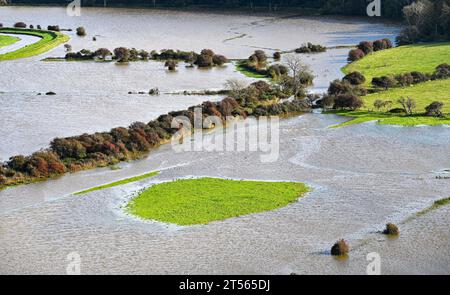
200 201
420 57
117 183
389 119
49 40
6 40
423 93
247 72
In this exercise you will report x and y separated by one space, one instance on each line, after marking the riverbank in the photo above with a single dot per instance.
49 40
6 40
89 151
389 119
420 60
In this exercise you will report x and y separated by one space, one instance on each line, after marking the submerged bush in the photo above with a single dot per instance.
340 248
391 229
102 53
81 31
219 60
53 28
20 25
277 55
204 61
171 65
122 54
311 48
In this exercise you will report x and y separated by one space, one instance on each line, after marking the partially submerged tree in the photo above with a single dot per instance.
81 31
102 53
391 229
340 248
21 25
122 54
171 65
68 47
301 73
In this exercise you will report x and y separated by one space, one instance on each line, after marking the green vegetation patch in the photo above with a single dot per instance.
404 59
389 119
419 57
247 71
200 201
6 40
120 182
436 204
49 40
423 93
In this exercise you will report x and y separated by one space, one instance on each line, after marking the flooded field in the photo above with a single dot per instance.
362 176
384 174
94 96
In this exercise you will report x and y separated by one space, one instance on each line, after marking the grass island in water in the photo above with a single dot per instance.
203 200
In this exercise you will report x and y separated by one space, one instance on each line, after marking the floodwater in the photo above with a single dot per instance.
362 176
94 96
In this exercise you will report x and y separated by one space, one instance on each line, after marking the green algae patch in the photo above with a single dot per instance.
203 200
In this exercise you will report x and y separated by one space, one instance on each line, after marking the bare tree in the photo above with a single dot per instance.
378 104
407 104
298 70
235 85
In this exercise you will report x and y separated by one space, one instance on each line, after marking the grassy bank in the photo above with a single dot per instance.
404 59
249 72
437 204
420 57
424 94
200 201
49 40
7 40
389 119
117 183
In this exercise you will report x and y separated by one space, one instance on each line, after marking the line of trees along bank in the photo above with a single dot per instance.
101 149
391 8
